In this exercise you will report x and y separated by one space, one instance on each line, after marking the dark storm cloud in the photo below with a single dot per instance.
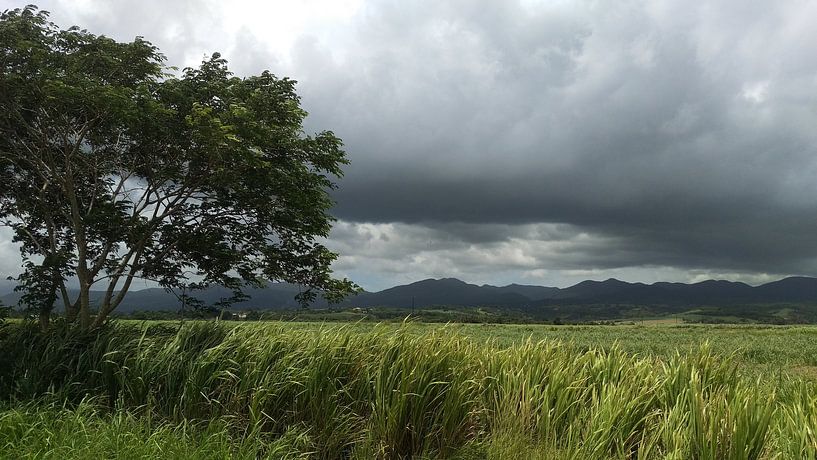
589 138
684 132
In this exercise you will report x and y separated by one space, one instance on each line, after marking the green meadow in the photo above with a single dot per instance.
360 390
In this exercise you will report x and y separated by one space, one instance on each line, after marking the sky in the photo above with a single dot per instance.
537 142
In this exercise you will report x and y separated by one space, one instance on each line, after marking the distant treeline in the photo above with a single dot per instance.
575 314
585 314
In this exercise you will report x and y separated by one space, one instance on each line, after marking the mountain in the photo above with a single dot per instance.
6 286
531 292
795 289
449 291
446 291
593 290
709 292
597 296
275 295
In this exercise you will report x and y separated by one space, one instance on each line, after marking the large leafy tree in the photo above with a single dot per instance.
113 170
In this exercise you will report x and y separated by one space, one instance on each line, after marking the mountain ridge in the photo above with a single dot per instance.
455 292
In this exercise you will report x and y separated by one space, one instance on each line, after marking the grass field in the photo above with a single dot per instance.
301 390
756 348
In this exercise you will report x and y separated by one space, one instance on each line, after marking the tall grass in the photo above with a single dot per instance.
332 393
52 431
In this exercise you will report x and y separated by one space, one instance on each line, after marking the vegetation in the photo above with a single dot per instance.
749 314
113 169
86 431
341 392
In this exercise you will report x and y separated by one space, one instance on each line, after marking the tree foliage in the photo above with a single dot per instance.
114 170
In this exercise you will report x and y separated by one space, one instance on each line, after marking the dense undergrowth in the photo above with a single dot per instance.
251 392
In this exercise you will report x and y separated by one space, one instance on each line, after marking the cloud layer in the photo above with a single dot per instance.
540 141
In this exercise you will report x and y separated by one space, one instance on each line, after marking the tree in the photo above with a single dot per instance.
4 313
113 169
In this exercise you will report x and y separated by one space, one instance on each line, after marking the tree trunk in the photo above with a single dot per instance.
109 302
44 319
84 307
101 315
71 313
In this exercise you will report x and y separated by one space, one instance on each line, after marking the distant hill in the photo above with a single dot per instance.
453 292
446 291
449 291
531 292
794 289
706 292
6 286
274 296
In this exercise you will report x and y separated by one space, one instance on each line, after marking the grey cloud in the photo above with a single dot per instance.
185 30
380 255
683 132
9 256
502 138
